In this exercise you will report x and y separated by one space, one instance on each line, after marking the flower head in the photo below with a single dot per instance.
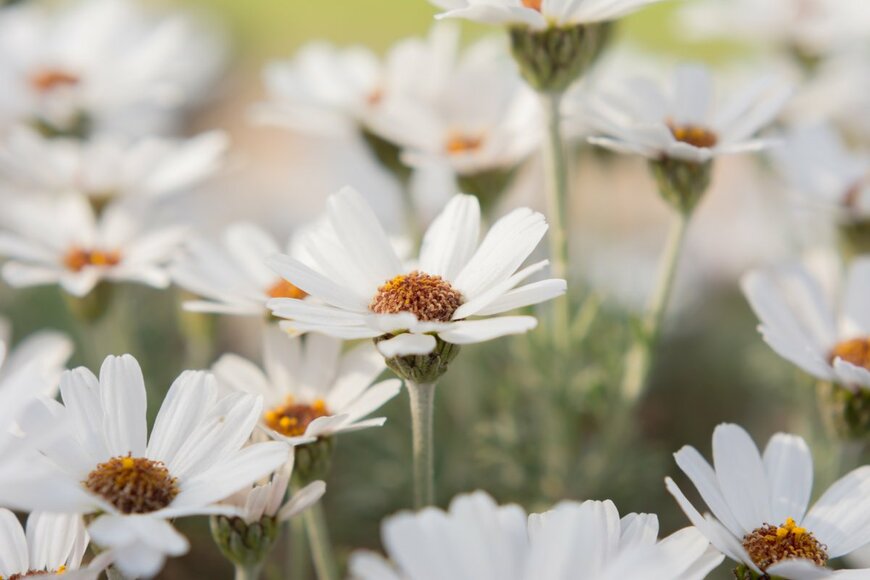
310 388
685 123
452 292
106 464
759 503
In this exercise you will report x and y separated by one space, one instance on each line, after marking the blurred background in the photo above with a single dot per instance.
499 426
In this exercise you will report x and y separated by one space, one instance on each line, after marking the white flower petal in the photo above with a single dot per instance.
407 344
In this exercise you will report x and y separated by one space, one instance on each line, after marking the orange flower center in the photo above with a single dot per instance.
533 4
48 80
77 259
768 545
855 351
292 419
459 143
694 135
284 289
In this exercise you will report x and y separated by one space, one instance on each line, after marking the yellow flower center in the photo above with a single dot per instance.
533 4
77 259
855 351
694 135
768 545
47 80
134 485
292 419
284 289
429 298
458 143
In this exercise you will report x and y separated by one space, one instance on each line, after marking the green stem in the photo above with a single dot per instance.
248 572
556 180
640 357
321 546
297 550
422 397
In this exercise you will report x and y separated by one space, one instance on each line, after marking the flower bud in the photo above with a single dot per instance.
845 410
313 460
246 545
681 183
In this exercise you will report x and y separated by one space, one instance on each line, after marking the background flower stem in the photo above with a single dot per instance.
556 181
247 573
321 546
422 397
640 357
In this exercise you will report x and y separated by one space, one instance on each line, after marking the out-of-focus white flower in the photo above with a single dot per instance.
539 14
812 27
106 464
233 277
109 167
61 241
573 540
99 64
52 545
817 163
454 292
759 505
686 122
309 388
808 322
329 90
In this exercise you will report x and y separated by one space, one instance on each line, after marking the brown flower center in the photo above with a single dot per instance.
32 573
77 259
292 419
458 143
533 4
429 298
134 485
47 80
693 135
768 545
284 289
855 351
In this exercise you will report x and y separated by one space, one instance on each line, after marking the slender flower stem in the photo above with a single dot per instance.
321 546
556 178
297 549
422 396
640 357
248 573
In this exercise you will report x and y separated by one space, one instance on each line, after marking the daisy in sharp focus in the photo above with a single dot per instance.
759 503
808 320
196 456
309 387
685 122
62 241
539 14
50 545
573 540
109 167
455 291
233 277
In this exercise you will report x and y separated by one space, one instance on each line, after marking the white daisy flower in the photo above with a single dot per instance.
811 27
325 89
52 545
109 167
685 123
759 503
106 464
539 14
823 331
98 64
816 162
61 241
367 292
233 277
574 540
309 387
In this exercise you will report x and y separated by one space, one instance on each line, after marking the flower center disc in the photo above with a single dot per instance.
77 259
47 80
284 289
292 419
459 143
694 135
134 485
32 573
855 351
768 545
429 298
533 4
